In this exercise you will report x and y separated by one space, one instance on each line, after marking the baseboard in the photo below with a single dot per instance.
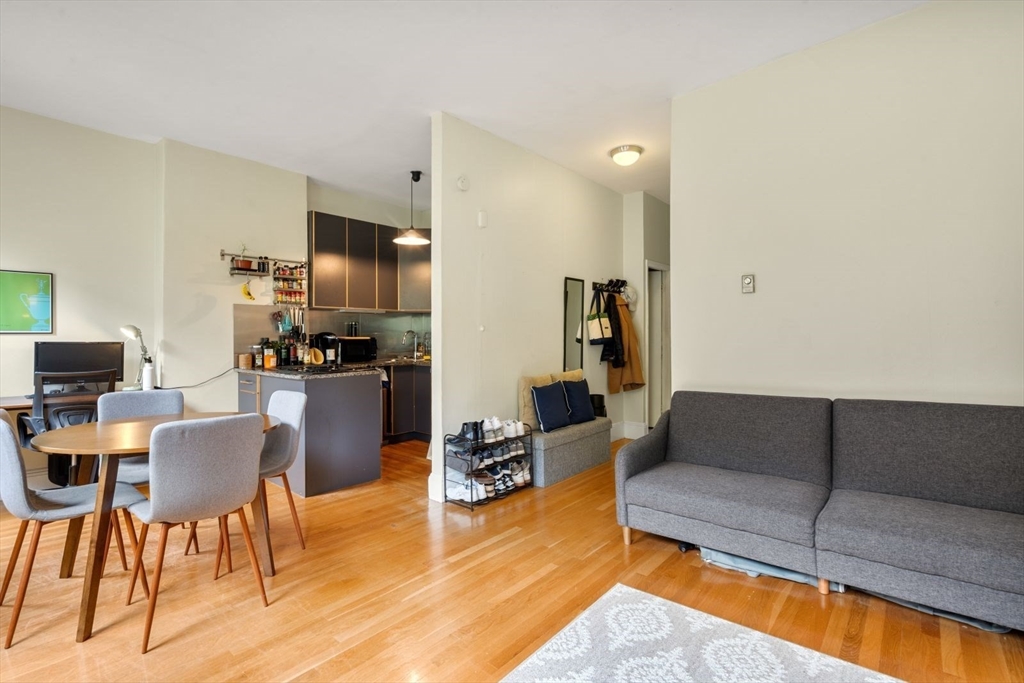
633 430
618 431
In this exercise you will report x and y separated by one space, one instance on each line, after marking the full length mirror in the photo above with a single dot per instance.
572 356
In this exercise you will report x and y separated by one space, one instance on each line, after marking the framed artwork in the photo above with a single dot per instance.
26 302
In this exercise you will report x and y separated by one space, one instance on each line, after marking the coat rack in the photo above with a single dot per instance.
611 287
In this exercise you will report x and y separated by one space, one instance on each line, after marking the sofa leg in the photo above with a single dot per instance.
823 586
627 536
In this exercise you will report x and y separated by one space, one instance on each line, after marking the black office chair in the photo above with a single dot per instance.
63 409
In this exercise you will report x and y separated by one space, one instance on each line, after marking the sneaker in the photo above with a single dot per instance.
458 492
469 430
517 474
499 455
488 430
487 457
524 467
478 492
506 451
520 429
508 429
517 448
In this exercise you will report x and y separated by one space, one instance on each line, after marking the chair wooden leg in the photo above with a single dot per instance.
164 528
115 526
227 541
252 555
291 504
137 564
192 538
19 600
15 551
135 544
266 509
220 547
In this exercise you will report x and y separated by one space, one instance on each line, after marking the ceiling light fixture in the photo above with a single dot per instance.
410 236
626 155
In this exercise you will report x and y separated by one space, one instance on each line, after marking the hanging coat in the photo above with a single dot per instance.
612 350
631 375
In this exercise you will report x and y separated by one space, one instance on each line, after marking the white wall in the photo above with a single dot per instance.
497 291
873 185
212 201
82 205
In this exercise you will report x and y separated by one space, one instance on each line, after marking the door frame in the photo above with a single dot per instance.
650 265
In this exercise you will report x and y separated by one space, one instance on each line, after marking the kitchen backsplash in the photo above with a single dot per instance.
253 322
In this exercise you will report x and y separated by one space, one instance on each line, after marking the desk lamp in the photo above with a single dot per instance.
132 332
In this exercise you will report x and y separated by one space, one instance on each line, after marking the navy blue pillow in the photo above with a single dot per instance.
577 397
552 411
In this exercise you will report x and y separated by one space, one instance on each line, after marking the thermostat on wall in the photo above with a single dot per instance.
747 284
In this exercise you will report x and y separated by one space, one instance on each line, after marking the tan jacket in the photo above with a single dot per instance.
631 375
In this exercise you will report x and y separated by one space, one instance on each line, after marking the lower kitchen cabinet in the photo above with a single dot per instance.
410 401
339 445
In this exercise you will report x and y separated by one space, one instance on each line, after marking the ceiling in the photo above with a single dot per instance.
343 91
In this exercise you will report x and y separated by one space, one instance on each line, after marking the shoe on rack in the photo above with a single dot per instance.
487 457
478 491
457 492
488 430
506 452
517 474
487 481
517 448
520 429
468 431
508 429
524 466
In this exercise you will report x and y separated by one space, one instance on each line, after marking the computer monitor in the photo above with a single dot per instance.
80 357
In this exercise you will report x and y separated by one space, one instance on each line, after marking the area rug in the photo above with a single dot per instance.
632 636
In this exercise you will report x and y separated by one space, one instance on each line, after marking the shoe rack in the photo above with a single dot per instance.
463 453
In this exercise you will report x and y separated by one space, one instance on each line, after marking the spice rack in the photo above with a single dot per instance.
464 458
290 284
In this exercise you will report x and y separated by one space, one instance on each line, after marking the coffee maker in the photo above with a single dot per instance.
327 342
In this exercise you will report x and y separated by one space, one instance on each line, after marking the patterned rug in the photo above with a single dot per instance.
631 636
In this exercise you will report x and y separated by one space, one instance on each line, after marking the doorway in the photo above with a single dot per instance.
659 344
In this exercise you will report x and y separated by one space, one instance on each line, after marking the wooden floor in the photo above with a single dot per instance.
393 587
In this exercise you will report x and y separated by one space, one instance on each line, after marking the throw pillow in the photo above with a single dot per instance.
567 376
577 397
552 411
527 411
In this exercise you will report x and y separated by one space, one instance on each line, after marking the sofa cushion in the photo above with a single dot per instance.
983 547
552 410
779 508
527 411
953 453
774 435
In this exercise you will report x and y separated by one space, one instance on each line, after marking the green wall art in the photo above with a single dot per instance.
26 302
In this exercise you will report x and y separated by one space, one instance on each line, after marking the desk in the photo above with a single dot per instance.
109 440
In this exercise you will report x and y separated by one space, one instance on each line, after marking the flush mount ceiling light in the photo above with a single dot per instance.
410 236
626 155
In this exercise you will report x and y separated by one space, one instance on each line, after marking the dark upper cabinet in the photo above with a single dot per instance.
387 268
362 264
422 389
328 262
414 276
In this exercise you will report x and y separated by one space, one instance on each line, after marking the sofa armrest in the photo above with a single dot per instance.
637 456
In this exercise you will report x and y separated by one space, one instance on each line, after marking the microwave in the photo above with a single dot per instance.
357 349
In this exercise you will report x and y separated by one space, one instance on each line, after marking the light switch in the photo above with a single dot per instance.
747 283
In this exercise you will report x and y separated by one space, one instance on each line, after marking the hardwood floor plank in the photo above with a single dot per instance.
395 587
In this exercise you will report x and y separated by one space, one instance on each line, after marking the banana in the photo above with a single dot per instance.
246 293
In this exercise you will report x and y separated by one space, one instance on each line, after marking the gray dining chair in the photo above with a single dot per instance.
281 446
123 404
198 469
41 507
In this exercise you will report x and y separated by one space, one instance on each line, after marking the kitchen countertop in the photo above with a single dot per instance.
350 370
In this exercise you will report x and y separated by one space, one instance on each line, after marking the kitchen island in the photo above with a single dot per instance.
340 441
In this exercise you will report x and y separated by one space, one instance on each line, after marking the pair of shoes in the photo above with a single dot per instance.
524 467
516 448
470 431
502 453
486 457
516 470
508 429
469 491
487 481
503 482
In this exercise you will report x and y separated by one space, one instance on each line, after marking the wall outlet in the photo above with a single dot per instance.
747 283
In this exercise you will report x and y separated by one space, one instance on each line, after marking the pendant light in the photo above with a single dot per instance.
410 236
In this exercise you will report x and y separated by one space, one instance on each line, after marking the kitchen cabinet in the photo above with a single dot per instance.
414 276
362 264
339 444
328 260
410 401
387 268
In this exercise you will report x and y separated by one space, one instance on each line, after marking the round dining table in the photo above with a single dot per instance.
109 440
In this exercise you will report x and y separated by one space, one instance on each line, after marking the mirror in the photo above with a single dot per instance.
572 355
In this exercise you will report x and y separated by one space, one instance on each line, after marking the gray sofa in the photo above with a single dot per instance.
918 501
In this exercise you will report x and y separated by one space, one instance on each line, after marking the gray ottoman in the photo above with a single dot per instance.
570 450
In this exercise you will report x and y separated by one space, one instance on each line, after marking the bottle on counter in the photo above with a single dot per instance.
293 353
269 356
257 355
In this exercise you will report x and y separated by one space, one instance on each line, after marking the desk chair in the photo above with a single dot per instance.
63 409
198 469
41 507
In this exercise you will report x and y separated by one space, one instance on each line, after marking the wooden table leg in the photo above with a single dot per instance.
259 513
67 562
97 543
